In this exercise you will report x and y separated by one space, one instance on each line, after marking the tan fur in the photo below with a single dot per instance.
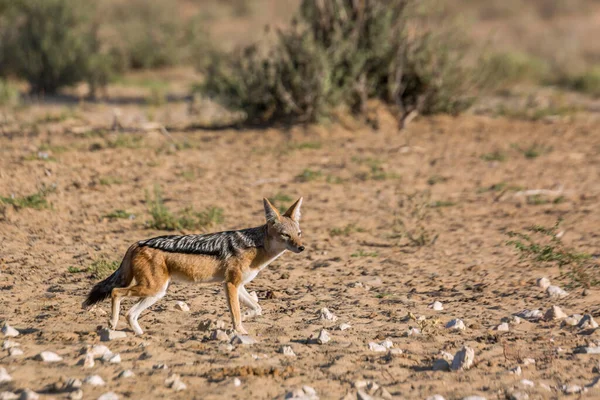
148 270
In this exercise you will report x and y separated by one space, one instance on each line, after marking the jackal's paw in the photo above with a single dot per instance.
240 329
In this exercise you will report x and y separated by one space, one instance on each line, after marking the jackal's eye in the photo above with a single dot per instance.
299 233
285 236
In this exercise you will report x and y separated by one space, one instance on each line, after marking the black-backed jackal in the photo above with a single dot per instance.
233 258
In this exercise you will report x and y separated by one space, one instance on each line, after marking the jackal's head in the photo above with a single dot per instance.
285 229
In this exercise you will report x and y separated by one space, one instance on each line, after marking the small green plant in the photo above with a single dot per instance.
533 151
334 179
9 94
362 253
412 219
496 155
76 270
435 179
499 187
125 141
543 245
102 268
442 203
587 82
304 146
537 199
119 214
209 217
346 230
110 180
309 175
36 200
375 170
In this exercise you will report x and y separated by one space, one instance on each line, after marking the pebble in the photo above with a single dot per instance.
446 356
456 324
109 396
97 350
87 361
556 292
587 350
73 383
106 335
436 397
546 387
543 283
519 396
126 374
76 395
9 331
323 337
174 382
516 370
8 344
413 332
395 351
441 365
587 322
304 393
528 361
463 359
115 359
8 396
327 315
530 314
287 351
48 356
160 366
242 339
237 382
436 306
4 376
554 312
209 324
15 352
377 347
528 383
572 389
344 327
503 327
94 380
572 320
182 306
220 335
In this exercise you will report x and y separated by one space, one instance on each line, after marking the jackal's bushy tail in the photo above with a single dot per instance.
120 278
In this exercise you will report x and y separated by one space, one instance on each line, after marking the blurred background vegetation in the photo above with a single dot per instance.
294 61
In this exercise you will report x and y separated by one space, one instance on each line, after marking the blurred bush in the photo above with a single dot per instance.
343 53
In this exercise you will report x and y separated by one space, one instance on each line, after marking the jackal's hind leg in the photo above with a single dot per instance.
249 301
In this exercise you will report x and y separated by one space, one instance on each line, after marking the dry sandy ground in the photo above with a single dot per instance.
369 276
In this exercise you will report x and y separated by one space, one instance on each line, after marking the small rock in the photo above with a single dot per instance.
9 344
395 352
8 396
182 306
237 382
545 387
413 332
4 376
94 380
76 395
376 347
344 327
531 315
106 335
126 374
15 352
160 366
587 350
596 368
572 389
446 356
387 343
436 306
243 340
220 335
109 396
97 351
436 397
304 393
503 327
463 359
73 383
516 370
519 396
441 365
209 324
556 292
323 337
527 383
87 361
174 382
543 283
9 331
554 312
287 351
456 324
528 361
48 356
587 322
115 359
572 320
327 315
29 394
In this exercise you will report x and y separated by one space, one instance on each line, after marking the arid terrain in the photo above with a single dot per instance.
459 181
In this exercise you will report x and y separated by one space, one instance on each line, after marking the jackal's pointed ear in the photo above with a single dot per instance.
271 212
294 211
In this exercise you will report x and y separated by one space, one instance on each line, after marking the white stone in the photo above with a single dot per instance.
94 380
15 352
220 335
327 315
528 361
555 292
243 340
109 396
178 386
126 374
543 283
554 312
97 350
387 343
88 361
528 383
182 306
572 320
446 356
8 396
376 347
395 351
456 324
530 314
503 327
587 322
76 395
8 344
344 327
516 370
436 306
4 376
9 331
48 356
106 335
517 395
323 337
287 351
413 332
463 359
115 359
436 397
237 382
73 383
587 350
572 389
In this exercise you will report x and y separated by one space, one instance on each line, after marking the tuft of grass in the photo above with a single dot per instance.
125 141
587 82
346 230
412 219
533 151
362 253
110 180
9 94
496 155
499 187
163 219
36 200
543 245
435 179
511 67
537 199
442 203
304 146
309 175
119 214
76 270
102 268
375 170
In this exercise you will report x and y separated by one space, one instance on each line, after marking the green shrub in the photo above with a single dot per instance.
9 94
342 53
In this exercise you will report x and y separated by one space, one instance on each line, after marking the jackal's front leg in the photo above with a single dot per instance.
231 291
